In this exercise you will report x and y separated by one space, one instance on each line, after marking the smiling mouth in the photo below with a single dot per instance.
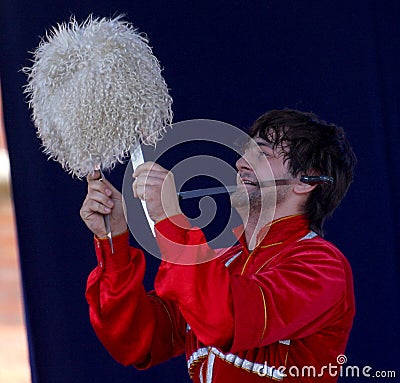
248 182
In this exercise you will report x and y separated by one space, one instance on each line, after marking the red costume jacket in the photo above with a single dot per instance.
282 311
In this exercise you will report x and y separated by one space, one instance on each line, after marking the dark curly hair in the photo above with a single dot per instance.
311 147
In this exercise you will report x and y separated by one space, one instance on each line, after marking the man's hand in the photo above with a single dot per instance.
102 198
156 186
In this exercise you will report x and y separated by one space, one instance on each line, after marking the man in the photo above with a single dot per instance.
279 304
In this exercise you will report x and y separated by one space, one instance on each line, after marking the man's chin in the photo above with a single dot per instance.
243 197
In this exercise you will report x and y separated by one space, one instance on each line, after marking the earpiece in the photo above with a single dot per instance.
316 180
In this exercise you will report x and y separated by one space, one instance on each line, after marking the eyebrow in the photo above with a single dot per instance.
263 143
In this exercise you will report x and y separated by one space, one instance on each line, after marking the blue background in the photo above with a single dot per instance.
229 61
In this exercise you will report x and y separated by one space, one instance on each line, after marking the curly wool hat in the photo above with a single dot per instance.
96 90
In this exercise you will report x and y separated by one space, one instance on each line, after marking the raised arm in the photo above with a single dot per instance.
135 327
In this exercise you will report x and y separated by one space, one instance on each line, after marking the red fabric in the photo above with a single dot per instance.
135 327
288 303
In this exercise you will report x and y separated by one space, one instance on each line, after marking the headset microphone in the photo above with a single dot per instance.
316 180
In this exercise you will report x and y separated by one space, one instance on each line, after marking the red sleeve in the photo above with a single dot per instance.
240 312
135 327
187 277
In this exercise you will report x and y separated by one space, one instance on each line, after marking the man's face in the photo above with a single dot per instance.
259 163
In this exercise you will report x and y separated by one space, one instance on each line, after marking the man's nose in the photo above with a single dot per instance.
242 164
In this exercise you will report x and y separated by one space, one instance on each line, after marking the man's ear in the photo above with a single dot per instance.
303 188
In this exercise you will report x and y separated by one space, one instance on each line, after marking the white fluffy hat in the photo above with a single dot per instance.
95 90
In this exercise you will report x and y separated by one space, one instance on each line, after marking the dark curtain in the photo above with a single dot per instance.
229 61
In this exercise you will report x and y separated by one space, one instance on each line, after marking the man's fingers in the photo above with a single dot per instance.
109 186
100 186
101 198
145 181
93 206
96 175
149 179
149 166
139 192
